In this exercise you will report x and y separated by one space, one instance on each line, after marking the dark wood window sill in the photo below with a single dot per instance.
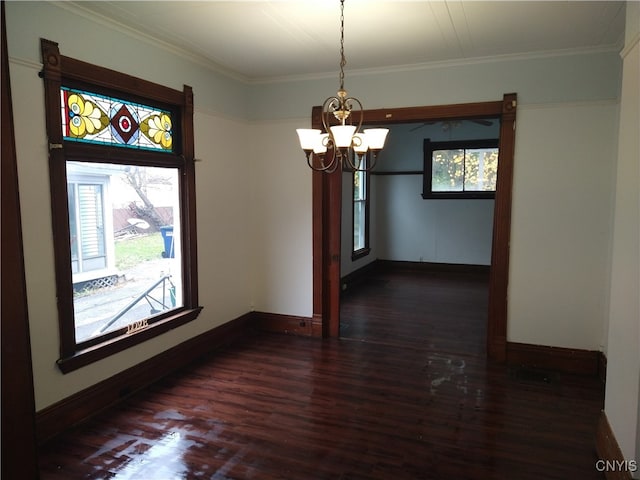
458 195
360 253
102 350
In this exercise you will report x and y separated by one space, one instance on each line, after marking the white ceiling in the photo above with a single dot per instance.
271 39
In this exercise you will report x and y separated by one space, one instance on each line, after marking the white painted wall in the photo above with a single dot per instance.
561 219
282 253
537 79
437 231
623 348
567 118
406 227
226 227
559 231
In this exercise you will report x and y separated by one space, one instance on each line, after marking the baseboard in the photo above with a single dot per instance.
567 360
357 276
497 350
289 324
317 327
353 278
602 367
432 267
79 407
611 461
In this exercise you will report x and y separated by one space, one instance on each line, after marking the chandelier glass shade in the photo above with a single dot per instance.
341 142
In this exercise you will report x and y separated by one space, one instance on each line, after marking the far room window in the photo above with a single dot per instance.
123 207
360 214
460 169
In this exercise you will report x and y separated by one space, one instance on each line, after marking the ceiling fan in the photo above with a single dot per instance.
451 124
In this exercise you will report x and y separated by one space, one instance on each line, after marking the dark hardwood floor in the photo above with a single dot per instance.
439 311
406 394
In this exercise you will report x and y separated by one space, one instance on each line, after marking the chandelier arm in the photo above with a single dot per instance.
363 161
353 165
336 161
324 167
334 165
361 110
374 159
328 103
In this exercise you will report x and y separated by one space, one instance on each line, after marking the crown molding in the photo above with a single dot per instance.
77 8
442 64
605 102
630 46
25 63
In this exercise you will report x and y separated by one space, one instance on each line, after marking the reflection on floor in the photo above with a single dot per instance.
406 394
441 311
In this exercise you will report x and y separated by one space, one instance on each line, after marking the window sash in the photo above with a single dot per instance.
62 71
460 169
147 284
360 212
359 223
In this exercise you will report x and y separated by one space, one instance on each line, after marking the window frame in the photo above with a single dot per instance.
59 71
427 178
361 252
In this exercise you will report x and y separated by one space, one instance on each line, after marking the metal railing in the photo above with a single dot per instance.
151 300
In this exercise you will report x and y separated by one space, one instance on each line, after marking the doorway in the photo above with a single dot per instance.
327 204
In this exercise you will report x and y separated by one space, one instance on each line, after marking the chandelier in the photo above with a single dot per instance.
343 144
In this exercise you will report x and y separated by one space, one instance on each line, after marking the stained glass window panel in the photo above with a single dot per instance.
93 118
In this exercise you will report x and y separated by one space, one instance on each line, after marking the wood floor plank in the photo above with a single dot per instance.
406 393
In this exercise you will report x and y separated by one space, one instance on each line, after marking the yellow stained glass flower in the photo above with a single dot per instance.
158 129
85 117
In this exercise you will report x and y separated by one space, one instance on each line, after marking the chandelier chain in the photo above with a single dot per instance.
343 144
343 60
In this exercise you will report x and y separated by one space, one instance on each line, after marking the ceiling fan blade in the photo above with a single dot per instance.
486 123
423 124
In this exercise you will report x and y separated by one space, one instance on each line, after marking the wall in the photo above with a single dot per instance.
562 206
438 231
623 348
245 188
281 208
404 226
538 79
224 213
563 167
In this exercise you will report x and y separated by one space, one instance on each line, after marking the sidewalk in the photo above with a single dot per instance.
94 310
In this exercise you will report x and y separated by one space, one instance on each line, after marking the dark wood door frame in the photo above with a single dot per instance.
327 203
19 451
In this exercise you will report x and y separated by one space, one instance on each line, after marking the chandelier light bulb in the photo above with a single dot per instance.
361 143
376 137
309 138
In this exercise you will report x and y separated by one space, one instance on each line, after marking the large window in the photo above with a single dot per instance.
360 214
123 207
460 169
